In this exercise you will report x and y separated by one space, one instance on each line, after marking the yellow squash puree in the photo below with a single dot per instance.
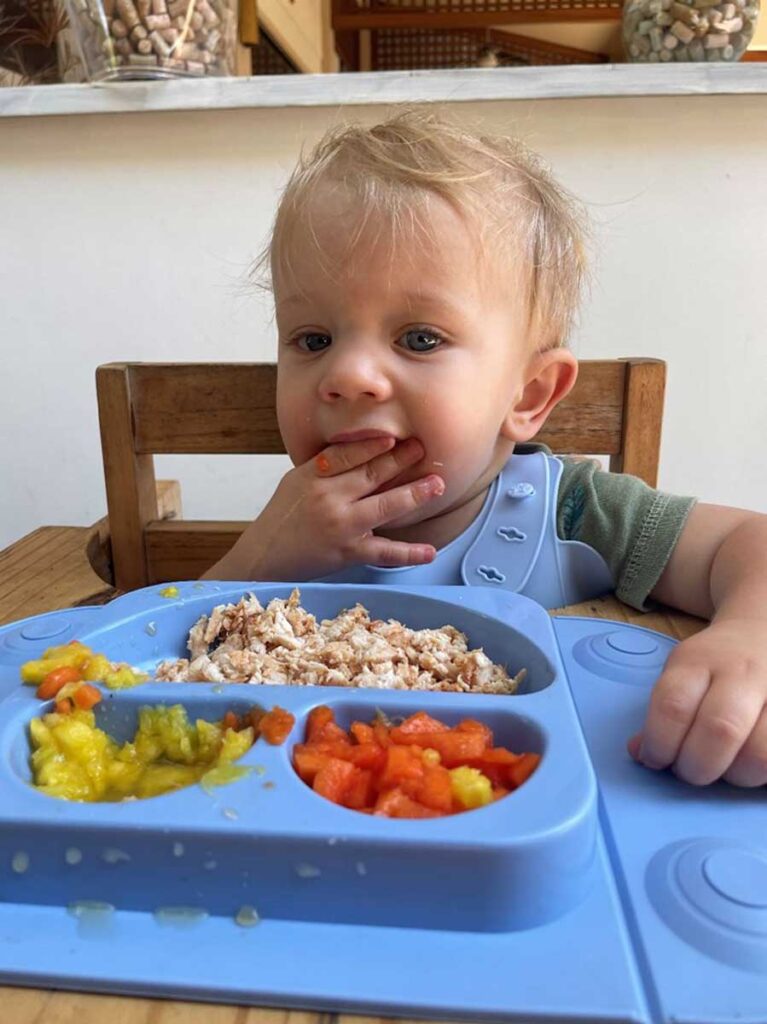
92 667
73 759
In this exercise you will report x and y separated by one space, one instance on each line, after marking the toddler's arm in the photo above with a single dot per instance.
323 513
708 711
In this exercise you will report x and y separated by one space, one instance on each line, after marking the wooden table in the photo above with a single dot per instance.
55 567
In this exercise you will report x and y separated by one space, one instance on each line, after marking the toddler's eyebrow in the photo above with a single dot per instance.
291 300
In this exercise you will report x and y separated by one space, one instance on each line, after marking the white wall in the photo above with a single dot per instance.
128 237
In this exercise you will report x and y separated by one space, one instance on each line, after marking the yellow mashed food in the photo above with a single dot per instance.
73 759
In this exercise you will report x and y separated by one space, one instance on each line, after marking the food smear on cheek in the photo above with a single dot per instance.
421 768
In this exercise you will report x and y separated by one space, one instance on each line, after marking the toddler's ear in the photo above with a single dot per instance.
550 376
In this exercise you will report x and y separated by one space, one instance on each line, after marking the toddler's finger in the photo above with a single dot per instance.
725 718
368 478
379 509
673 705
340 458
750 766
393 554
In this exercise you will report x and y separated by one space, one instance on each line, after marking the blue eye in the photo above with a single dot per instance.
420 340
314 342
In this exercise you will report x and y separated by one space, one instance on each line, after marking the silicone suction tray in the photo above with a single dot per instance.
514 864
513 911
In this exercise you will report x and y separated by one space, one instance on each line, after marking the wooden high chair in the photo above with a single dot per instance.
147 409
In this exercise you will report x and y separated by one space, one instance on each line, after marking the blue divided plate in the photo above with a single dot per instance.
598 890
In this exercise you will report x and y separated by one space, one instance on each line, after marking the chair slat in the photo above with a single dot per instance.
229 408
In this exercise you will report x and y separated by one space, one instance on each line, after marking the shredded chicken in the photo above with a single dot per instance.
284 644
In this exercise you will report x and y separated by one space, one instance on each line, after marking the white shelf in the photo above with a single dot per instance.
357 89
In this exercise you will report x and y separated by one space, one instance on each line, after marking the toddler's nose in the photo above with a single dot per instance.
351 376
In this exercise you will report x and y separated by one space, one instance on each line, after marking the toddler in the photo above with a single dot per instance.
425 280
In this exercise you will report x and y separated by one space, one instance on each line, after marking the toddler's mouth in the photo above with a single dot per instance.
348 437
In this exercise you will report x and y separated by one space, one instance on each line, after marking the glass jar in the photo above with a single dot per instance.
129 39
688 30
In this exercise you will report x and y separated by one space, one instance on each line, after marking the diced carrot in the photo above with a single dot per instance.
498 774
381 733
63 707
523 769
86 696
415 726
404 771
361 792
230 721
455 748
401 763
436 790
307 761
318 717
321 726
365 755
362 732
334 779
276 725
472 725
499 756
57 678
395 804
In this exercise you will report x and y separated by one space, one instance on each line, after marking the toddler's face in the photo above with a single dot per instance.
412 340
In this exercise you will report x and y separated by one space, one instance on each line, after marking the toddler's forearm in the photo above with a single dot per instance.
739 573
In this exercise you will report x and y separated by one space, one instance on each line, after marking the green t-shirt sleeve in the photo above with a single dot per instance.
633 527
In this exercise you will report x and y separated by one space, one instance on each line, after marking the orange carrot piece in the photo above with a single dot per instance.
415 726
321 726
499 756
472 725
361 791
362 732
63 707
334 779
436 790
396 804
276 725
455 748
307 761
230 721
54 681
401 763
381 733
86 697
523 769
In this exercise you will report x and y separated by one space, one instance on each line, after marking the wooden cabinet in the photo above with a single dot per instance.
301 28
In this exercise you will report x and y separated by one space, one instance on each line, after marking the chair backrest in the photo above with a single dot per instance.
146 409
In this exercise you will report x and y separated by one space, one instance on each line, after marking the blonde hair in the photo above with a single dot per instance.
393 169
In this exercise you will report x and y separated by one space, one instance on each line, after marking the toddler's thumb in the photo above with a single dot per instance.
634 744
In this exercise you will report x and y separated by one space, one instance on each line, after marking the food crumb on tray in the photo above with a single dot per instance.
283 644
